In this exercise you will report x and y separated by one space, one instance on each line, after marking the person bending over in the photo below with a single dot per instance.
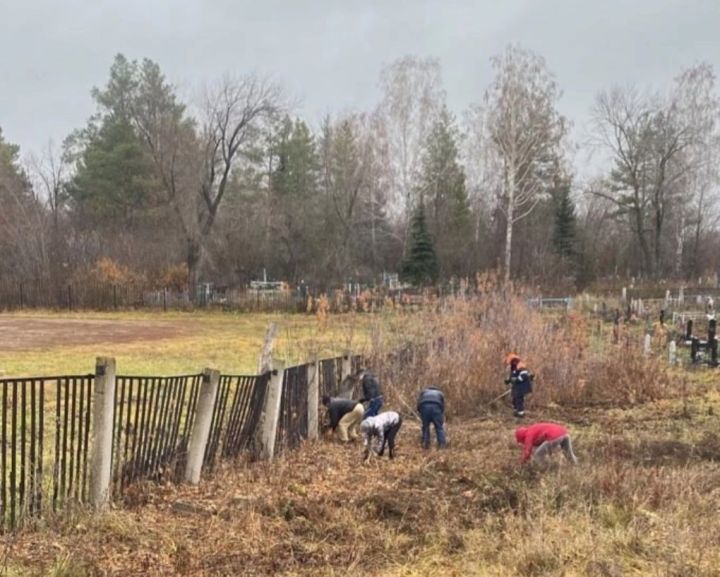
431 406
380 429
344 415
541 439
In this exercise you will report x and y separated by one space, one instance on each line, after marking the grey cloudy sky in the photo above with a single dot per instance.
328 53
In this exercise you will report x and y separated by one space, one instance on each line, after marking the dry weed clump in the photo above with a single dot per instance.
459 345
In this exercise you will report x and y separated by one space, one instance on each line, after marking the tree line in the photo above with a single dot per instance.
226 185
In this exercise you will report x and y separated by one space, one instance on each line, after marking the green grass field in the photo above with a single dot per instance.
164 344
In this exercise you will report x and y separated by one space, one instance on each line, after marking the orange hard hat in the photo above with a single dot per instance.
511 357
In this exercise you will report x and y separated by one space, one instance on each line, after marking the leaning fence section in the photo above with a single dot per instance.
292 425
237 410
45 437
152 421
330 376
47 429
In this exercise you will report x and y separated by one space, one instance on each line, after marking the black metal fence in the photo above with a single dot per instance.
293 421
152 421
46 425
104 296
91 294
234 425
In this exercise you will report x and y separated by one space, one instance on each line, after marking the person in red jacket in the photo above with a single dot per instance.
539 441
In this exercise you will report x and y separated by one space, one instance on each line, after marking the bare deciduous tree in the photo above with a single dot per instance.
523 130
196 166
234 115
698 107
650 140
412 98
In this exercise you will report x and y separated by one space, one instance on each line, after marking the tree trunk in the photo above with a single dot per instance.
642 240
679 247
698 233
193 261
510 213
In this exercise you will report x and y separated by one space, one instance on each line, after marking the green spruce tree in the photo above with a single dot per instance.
420 266
564 229
442 186
294 184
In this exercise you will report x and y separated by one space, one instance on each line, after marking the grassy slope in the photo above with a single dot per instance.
230 342
644 501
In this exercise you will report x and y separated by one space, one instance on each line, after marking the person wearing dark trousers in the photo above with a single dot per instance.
431 406
520 382
371 392
381 429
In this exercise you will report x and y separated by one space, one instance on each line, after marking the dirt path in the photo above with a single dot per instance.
26 334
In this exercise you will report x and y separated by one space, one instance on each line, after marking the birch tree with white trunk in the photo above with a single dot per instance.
524 131
698 106
412 99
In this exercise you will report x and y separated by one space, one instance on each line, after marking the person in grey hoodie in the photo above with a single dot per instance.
382 429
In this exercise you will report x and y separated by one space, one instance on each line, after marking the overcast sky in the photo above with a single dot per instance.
328 53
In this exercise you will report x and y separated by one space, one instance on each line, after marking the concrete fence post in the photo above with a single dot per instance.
347 364
201 426
346 382
267 430
313 400
102 432
647 347
672 353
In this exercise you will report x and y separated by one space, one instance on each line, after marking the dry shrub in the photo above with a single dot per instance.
108 271
174 277
459 344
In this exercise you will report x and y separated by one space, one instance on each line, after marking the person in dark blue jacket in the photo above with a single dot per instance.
520 382
431 406
371 392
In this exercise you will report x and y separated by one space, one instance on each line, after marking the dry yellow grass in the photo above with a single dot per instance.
644 501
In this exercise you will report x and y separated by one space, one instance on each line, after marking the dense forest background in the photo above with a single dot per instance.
232 184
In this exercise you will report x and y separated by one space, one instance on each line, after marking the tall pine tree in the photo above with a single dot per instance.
441 187
420 266
295 197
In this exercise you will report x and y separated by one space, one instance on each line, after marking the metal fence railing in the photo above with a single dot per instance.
91 294
152 421
234 421
45 434
293 421
47 426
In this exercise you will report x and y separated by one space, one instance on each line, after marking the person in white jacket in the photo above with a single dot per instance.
382 429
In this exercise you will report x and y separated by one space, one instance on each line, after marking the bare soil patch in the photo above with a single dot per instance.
25 334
